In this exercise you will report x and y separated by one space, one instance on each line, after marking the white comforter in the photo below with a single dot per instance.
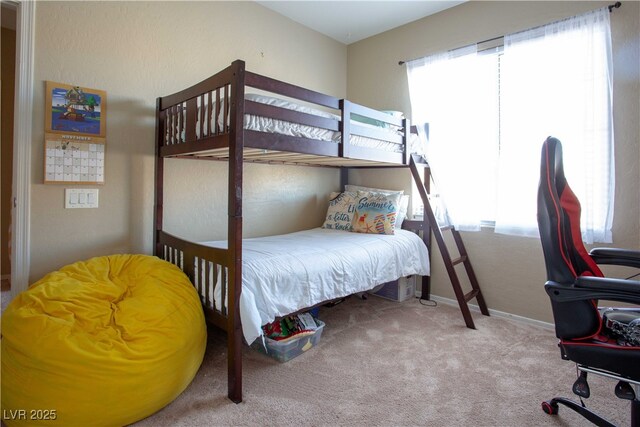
285 273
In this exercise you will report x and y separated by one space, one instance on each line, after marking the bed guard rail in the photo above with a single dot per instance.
207 269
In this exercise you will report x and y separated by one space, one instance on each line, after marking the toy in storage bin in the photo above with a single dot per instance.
286 350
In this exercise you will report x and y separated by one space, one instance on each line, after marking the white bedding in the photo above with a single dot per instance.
283 274
266 124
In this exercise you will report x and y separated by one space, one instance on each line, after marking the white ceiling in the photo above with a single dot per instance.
351 21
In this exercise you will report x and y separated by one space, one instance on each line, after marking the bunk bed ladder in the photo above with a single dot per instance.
449 262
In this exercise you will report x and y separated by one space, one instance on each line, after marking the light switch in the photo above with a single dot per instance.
81 198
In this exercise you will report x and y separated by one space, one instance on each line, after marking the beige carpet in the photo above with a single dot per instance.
381 363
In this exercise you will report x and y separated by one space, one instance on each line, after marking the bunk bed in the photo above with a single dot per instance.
218 119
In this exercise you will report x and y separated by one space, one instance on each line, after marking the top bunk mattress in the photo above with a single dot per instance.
287 273
267 124
276 126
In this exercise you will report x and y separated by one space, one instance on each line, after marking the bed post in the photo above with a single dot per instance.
159 177
425 292
345 127
344 177
236 144
425 289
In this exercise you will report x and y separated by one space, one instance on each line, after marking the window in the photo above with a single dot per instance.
490 110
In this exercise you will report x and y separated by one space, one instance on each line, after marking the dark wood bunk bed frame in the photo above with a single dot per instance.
181 133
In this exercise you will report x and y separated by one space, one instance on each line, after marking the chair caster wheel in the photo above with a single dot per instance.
550 408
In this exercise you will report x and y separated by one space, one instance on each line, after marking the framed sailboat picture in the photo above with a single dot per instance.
75 110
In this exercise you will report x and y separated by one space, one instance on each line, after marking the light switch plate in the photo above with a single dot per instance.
80 198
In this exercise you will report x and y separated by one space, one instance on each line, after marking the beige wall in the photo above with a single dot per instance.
137 51
510 269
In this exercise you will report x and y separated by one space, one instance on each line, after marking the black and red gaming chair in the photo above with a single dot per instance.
600 341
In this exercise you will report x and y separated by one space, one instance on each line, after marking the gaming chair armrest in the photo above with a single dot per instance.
596 288
606 284
616 256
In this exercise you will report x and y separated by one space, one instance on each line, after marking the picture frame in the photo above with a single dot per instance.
75 110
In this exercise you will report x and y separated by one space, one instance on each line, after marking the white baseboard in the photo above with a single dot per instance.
496 313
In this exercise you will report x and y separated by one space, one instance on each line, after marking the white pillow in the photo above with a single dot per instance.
402 210
350 187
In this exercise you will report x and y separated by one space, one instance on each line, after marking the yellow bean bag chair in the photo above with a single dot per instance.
103 342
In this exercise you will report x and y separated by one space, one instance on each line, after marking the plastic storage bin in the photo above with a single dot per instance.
283 351
398 290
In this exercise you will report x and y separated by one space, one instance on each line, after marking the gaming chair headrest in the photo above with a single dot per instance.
550 214
559 220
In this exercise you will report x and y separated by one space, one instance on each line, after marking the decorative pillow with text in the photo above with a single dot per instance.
376 213
341 211
403 204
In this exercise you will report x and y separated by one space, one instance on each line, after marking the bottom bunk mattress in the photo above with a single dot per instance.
286 273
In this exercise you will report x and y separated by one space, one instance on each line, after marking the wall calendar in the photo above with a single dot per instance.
75 134
69 159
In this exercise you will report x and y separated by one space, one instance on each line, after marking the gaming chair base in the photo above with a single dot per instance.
551 407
